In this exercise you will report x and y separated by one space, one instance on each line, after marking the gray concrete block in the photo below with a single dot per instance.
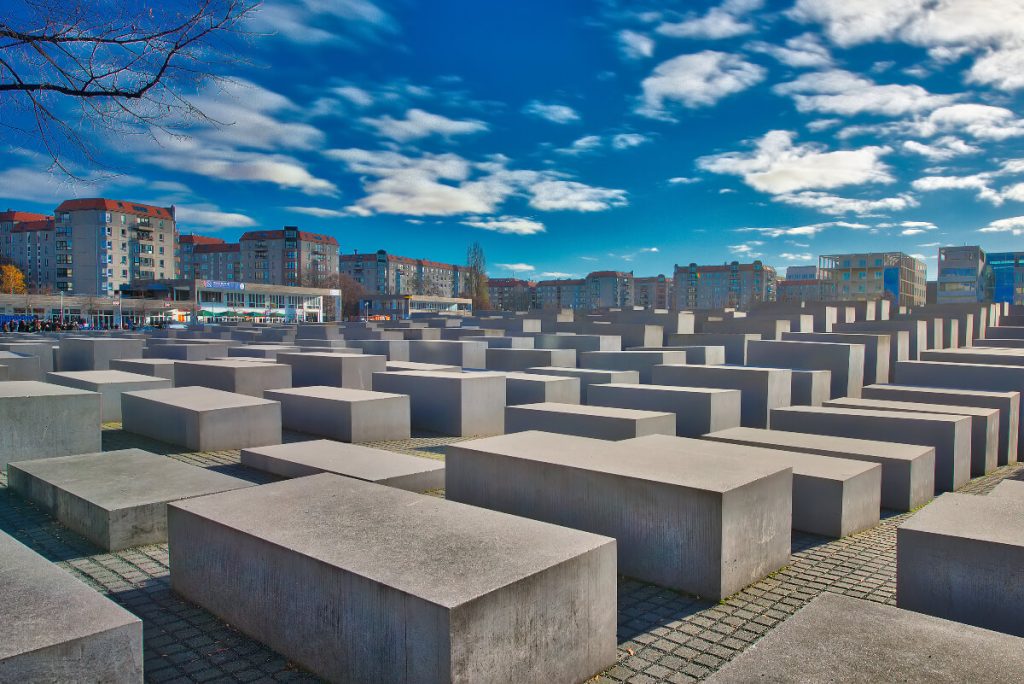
267 352
703 524
347 415
589 376
56 628
333 369
908 471
186 352
251 376
844 361
962 558
698 410
876 350
762 389
642 362
465 354
981 355
456 404
950 435
157 368
115 499
811 387
853 640
95 353
390 468
347 568
912 334
521 359
412 366
505 342
1012 489
599 422
21 366
531 388
734 344
40 420
984 425
109 384
201 418
43 350
581 343
395 350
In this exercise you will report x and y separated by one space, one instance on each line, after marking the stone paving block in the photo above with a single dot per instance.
962 558
984 425
456 404
21 366
763 389
588 377
698 410
56 628
157 368
347 415
641 361
109 384
950 435
840 639
201 418
95 353
354 371
845 362
706 525
599 422
531 388
347 568
908 471
115 499
299 459
40 420
521 359
251 376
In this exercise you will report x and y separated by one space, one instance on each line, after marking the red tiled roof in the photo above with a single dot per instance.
279 235
33 226
122 206
608 274
560 282
215 248
19 216
194 239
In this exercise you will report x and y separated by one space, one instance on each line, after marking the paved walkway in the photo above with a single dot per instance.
664 636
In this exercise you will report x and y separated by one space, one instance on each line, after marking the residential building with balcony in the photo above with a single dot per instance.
390 274
562 294
805 290
733 285
187 244
34 251
287 257
964 276
8 220
609 289
512 294
895 276
654 292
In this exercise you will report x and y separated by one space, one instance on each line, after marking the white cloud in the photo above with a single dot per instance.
509 225
318 212
556 274
850 23
555 113
805 231
35 184
984 122
356 96
170 186
517 267
420 124
979 182
800 52
683 180
819 125
310 22
588 143
832 204
944 148
209 216
779 166
634 45
747 249
563 195
623 141
630 256
1002 68
696 80
719 22
790 256
1013 225
842 92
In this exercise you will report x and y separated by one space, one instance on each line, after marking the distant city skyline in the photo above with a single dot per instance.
580 136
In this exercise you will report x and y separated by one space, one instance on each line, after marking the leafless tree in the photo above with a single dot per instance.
71 68
476 277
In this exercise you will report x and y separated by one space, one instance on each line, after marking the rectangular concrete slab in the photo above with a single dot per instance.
464 354
950 435
262 351
43 350
734 344
845 362
599 422
841 639
95 353
531 388
251 376
186 352
21 366
395 350
877 352
40 420
811 387
201 418
702 524
641 361
56 628
456 404
908 471
520 359
698 410
347 415
115 499
354 371
762 389
158 368
361 582
588 377
300 459
109 384
961 558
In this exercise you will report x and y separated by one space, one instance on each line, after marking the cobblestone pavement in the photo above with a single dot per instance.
664 636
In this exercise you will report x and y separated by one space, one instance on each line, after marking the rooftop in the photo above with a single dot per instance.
122 206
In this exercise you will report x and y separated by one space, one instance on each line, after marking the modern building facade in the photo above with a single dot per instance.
895 276
732 285
653 292
404 307
188 300
287 257
1007 276
389 274
187 243
104 244
803 273
805 290
609 289
964 276
34 251
512 294
568 293
8 220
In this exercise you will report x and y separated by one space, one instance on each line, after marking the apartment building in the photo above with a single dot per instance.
187 267
562 294
222 263
389 274
609 289
8 220
34 245
287 257
1007 276
964 276
803 273
104 244
895 276
797 290
512 294
732 285
653 292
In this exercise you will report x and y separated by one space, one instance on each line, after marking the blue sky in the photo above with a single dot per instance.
572 136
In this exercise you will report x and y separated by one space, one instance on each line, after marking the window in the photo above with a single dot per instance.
846 276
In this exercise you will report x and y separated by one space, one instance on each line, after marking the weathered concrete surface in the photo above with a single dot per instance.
962 558
433 590
763 389
44 351
347 415
457 404
109 384
299 459
334 369
251 376
588 377
115 499
698 410
840 639
599 422
908 471
201 418
844 361
21 366
56 628
532 388
40 420
707 525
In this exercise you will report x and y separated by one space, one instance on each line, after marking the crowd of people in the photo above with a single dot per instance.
34 325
